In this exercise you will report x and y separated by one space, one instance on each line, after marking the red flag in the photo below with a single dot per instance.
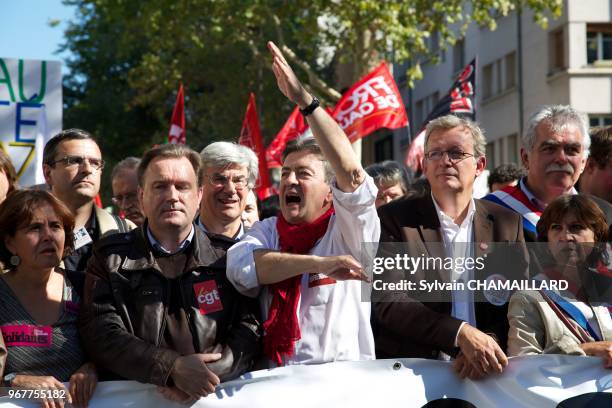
250 136
293 127
177 124
372 103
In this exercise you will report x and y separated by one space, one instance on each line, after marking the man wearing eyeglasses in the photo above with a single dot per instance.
72 166
125 190
448 223
230 171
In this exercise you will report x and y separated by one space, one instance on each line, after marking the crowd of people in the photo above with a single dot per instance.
195 282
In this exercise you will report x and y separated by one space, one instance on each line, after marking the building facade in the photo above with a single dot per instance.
521 66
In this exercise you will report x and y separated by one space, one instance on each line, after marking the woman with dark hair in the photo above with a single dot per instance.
390 179
575 320
38 304
8 176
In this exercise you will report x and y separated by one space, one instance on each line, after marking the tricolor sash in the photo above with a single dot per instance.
513 198
560 304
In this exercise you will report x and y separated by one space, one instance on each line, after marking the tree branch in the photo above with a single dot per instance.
314 79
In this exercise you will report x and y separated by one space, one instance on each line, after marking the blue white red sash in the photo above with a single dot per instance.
569 309
513 198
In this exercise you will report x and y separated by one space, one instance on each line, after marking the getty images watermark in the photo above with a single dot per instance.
485 272
406 264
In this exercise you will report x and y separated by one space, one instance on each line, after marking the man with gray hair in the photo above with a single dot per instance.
229 171
125 190
445 225
554 151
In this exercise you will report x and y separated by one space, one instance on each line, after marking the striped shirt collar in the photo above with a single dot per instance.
541 205
156 245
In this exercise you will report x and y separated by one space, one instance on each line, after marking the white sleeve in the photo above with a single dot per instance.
241 270
356 217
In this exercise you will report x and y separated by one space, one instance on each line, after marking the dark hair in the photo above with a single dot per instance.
6 166
505 174
388 173
17 210
308 144
69 134
583 208
170 151
601 145
270 207
420 187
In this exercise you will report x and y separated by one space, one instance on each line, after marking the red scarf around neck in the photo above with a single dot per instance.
282 328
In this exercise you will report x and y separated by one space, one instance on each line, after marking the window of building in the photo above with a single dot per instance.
600 120
487 81
512 149
423 107
383 149
499 76
599 43
490 154
418 112
458 56
556 51
510 65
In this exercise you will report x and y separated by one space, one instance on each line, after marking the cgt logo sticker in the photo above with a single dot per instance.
207 295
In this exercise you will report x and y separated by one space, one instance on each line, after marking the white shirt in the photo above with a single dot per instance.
457 241
334 322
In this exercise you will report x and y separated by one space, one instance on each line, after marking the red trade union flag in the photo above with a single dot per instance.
293 127
250 136
177 124
371 104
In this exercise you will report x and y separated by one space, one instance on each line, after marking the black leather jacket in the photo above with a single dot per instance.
124 310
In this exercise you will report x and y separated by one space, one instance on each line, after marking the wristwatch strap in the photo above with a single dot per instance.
310 108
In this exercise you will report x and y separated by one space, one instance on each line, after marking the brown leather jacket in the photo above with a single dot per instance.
125 309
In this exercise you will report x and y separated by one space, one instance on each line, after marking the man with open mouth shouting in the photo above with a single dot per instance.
303 263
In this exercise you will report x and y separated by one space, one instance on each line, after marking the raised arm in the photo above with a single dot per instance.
329 135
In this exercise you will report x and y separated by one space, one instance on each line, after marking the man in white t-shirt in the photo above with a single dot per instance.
303 263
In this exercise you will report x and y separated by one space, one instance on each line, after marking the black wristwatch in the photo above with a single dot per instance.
7 381
310 108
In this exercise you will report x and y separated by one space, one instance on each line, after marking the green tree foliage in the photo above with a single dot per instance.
129 57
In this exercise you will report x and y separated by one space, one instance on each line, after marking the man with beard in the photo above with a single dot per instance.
554 151
302 263
72 166
230 171
125 189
